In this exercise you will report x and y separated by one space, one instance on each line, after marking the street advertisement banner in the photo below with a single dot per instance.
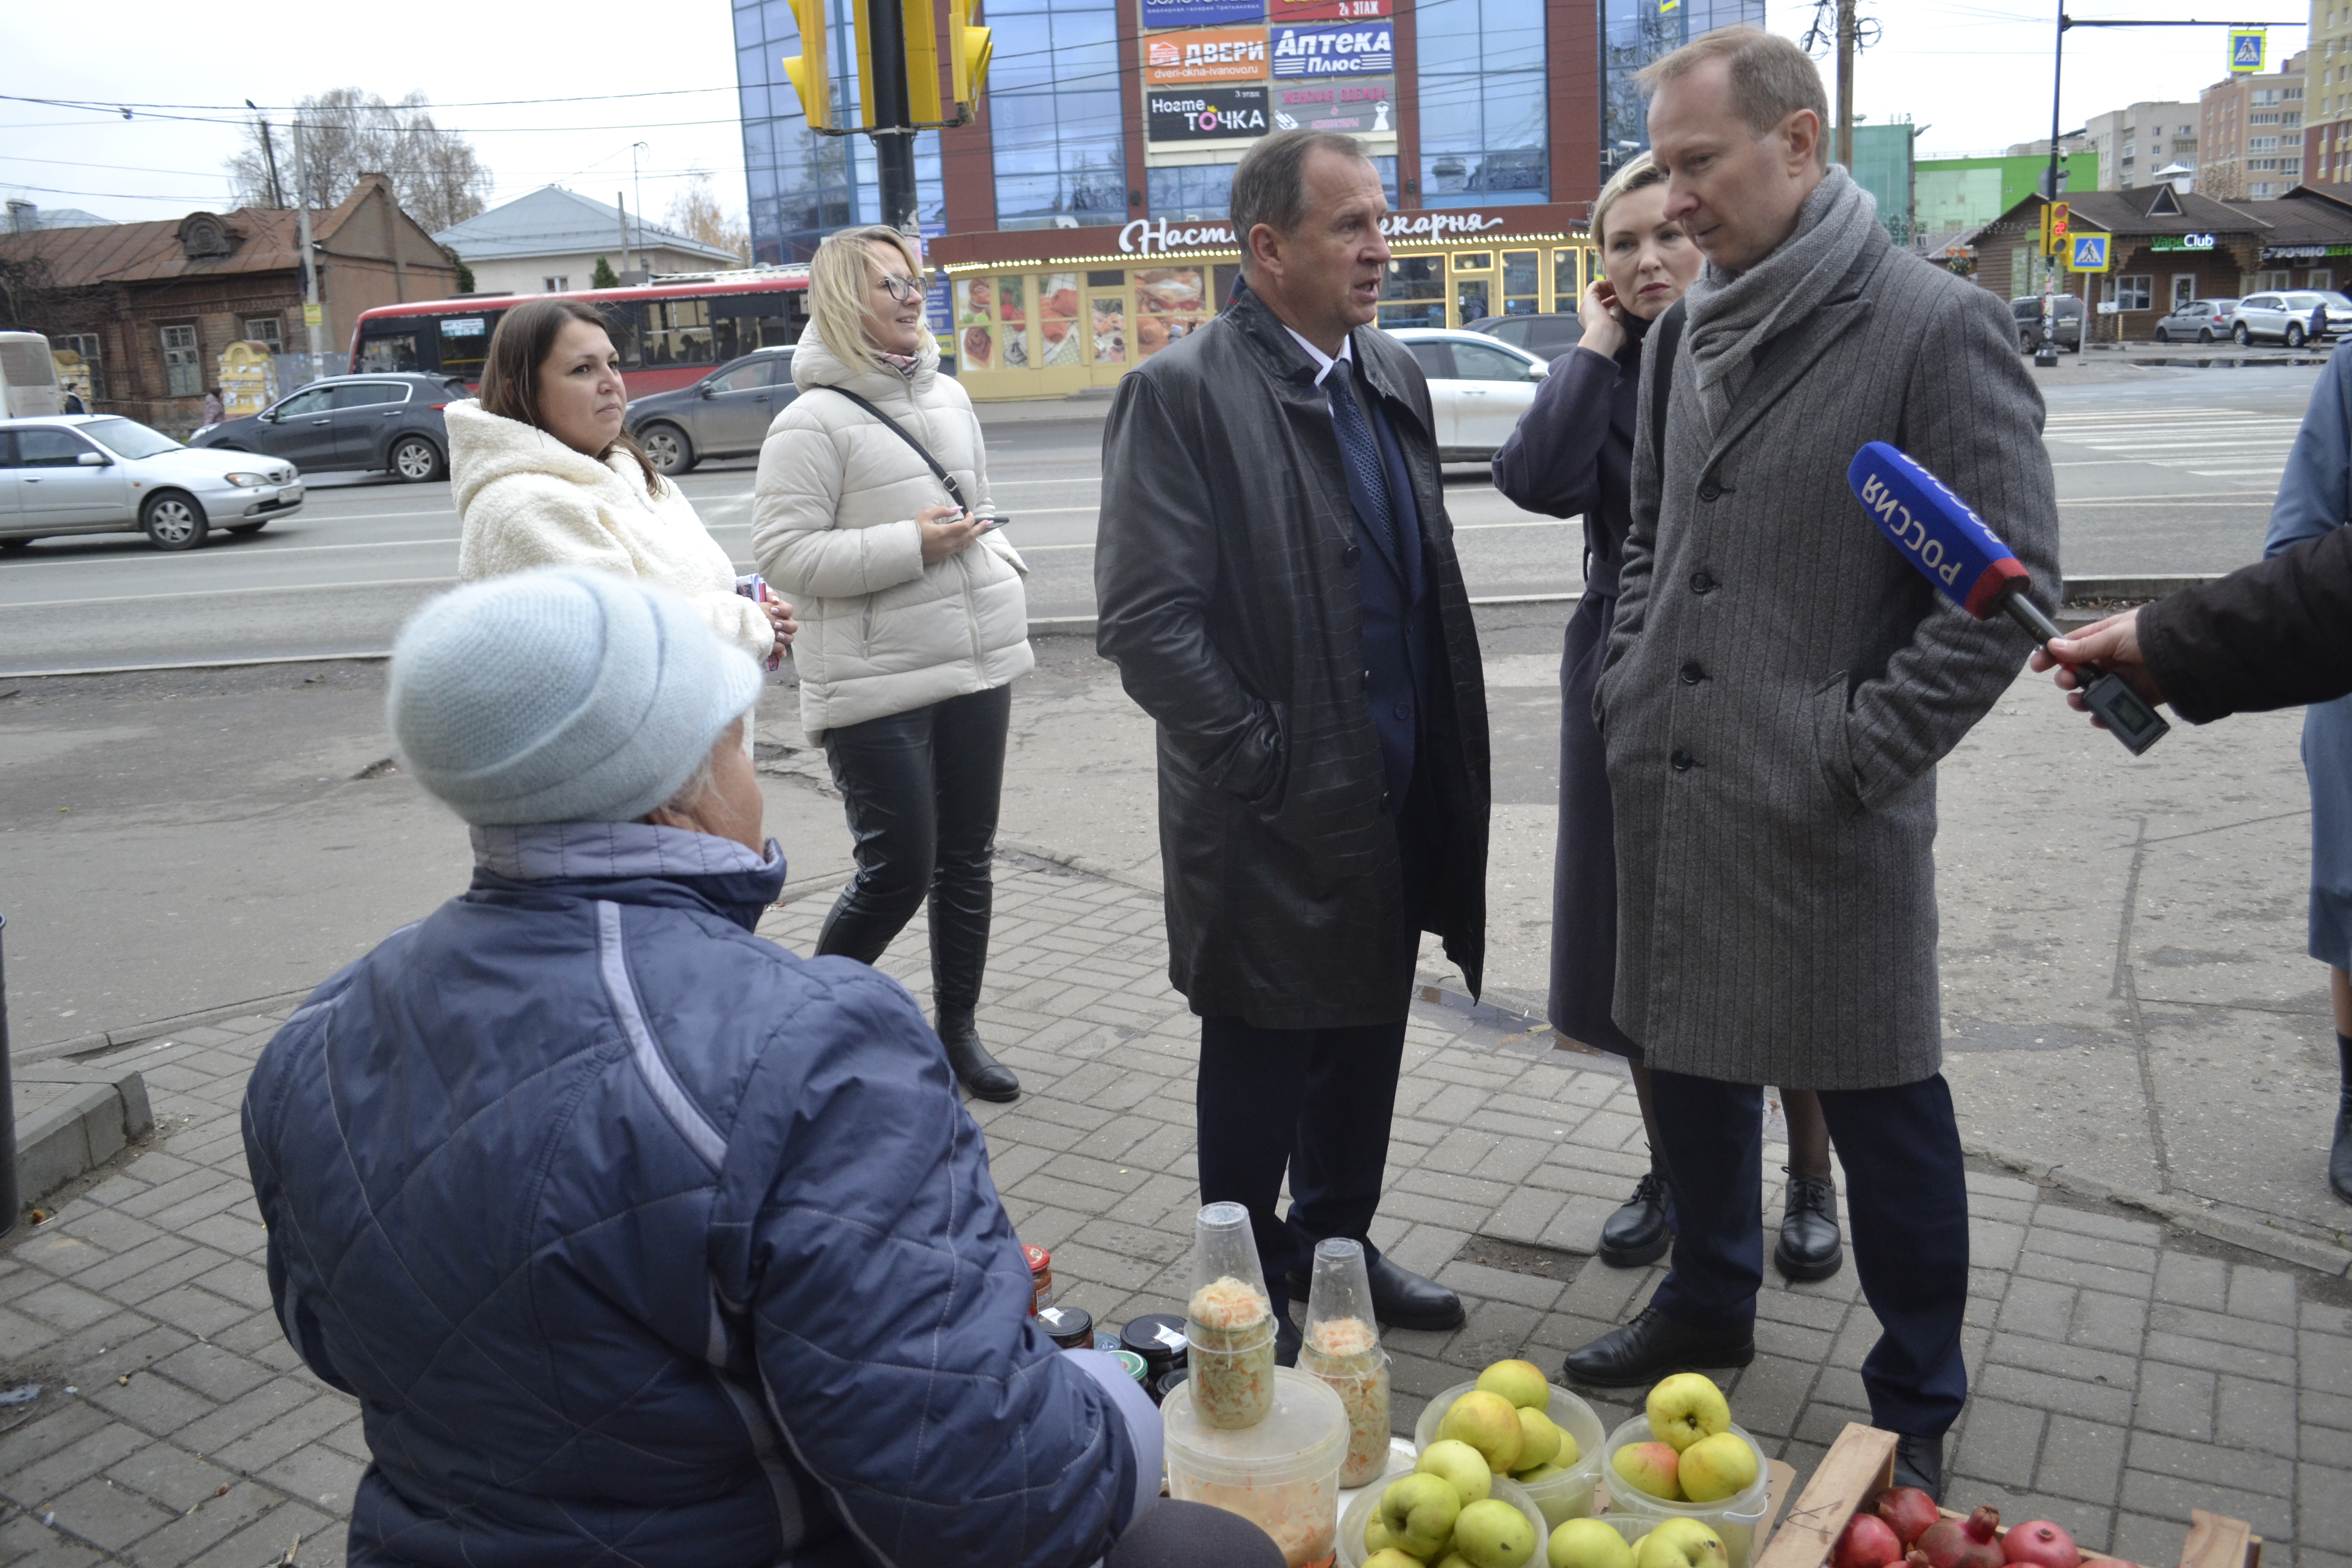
1354 106
1210 54
1366 49
1202 12
1331 10
1205 114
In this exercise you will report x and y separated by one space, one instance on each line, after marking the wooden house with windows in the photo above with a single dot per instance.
151 306
2165 248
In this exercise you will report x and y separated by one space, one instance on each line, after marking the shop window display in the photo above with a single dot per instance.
1171 302
1567 292
1414 293
1013 321
1058 320
975 320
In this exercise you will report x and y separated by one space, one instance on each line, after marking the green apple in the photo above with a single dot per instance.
1420 1512
1684 1408
1715 1468
1652 1467
1588 1543
1453 1560
1488 1423
1539 1438
1494 1534
1390 1557
1681 1544
1539 1473
1462 1465
1376 1534
1520 1382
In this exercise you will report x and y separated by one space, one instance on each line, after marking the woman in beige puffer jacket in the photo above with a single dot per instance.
916 621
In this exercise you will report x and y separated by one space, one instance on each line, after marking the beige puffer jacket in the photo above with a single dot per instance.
525 500
832 527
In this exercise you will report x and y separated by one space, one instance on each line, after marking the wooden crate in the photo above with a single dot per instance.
1861 1464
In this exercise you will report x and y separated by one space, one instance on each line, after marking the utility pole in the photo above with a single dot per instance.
270 154
314 319
893 117
637 184
2046 357
1846 84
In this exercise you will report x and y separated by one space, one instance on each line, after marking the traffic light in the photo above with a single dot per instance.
2053 228
811 77
918 28
967 52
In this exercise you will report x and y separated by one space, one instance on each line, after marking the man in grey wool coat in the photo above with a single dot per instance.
1779 688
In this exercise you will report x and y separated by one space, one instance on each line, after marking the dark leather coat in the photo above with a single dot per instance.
1227 571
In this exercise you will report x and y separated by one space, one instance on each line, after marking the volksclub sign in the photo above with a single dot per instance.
1145 236
1368 49
1211 54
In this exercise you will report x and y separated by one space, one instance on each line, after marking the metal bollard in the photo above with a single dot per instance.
8 1196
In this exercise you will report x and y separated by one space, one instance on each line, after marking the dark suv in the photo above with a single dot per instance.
391 422
724 415
2027 312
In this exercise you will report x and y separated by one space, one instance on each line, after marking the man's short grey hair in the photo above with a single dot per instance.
1270 183
1771 78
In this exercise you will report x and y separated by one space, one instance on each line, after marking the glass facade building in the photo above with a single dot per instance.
1054 119
801 186
1633 34
1481 97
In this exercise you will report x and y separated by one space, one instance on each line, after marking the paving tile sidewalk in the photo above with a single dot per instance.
2122 1374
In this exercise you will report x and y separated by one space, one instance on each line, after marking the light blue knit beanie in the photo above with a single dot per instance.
565 695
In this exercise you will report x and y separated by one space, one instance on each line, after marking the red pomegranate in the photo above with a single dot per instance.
1866 1543
1970 1542
1908 1512
2040 1544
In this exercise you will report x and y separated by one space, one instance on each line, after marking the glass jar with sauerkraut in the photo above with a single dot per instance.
1229 1321
1342 1347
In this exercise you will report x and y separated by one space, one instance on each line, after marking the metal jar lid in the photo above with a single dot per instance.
1072 1328
1158 1337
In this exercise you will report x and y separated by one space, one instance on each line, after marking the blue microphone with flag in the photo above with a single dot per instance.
1950 545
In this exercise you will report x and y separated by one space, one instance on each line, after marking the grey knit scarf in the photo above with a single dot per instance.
1731 315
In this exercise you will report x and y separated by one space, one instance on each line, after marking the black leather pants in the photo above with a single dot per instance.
921 789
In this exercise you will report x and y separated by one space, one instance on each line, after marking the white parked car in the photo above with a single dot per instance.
1478 387
2289 317
96 473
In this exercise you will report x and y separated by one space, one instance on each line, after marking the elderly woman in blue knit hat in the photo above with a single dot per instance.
637 1237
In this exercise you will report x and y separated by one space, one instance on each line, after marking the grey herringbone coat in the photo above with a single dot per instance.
1780 684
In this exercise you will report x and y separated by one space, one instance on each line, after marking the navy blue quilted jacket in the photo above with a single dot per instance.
642 1241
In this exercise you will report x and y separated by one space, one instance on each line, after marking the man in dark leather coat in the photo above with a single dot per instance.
1277 585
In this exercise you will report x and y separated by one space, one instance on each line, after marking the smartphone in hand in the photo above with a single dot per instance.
989 523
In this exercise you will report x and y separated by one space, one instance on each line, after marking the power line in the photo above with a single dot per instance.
110 106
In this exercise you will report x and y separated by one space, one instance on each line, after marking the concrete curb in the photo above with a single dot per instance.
82 1128
111 1039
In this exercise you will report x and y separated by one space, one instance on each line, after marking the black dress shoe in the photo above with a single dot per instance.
1652 1345
987 1078
2339 1158
1920 1462
1639 1232
1401 1299
1808 1246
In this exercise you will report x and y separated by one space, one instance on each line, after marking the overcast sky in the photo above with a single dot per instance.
1976 73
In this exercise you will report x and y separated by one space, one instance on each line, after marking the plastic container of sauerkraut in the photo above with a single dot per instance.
1282 1474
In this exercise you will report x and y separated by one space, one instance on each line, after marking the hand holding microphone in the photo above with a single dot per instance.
1967 563
2111 645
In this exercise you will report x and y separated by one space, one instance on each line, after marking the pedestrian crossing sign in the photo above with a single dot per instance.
2248 47
2089 252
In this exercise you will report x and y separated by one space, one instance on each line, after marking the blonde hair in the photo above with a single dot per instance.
1771 79
1637 173
840 282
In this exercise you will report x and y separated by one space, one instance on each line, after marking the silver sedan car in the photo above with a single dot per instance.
84 473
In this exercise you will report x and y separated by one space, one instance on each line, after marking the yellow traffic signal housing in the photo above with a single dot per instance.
810 70
2054 216
967 52
919 30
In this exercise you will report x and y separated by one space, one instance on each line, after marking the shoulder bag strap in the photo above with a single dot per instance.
1670 342
920 450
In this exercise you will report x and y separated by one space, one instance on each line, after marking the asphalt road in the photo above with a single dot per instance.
2160 469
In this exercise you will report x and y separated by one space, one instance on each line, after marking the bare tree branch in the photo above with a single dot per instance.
695 211
436 175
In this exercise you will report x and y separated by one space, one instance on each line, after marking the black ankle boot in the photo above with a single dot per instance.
1640 1231
1809 1246
987 1078
2339 1158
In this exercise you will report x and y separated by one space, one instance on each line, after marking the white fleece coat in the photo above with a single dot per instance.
525 500
832 527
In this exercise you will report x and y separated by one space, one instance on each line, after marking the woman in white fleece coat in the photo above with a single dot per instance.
916 622
544 475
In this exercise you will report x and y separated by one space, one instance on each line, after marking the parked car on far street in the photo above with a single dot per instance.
95 473
2287 317
391 422
725 415
2027 312
2199 320
1477 388
1547 335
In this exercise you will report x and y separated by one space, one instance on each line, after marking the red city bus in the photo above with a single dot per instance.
670 333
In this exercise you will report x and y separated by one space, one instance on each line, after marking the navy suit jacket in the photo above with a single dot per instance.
1400 614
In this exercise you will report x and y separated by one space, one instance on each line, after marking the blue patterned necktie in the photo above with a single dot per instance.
1360 451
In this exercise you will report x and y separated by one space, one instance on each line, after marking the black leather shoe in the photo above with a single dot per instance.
1401 1299
1639 1232
2339 1158
1920 1462
1652 1345
987 1078
1808 1246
